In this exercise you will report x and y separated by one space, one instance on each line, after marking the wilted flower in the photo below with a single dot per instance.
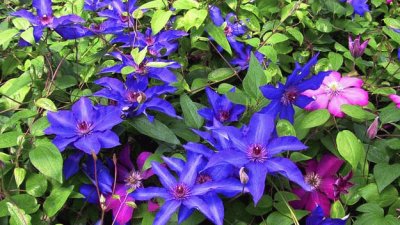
67 26
87 127
321 176
356 48
336 91
223 110
373 128
291 93
395 99
317 217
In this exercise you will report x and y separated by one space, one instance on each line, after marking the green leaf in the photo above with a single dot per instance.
296 34
276 38
27 35
23 201
315 118
9 139
56 200
217 33
192 18
156 157
349 147
276 218
138 56
336 60
189 109
46 103
254 78
7 35
185 4
21 23
270 52
158 64
19 175
18 216
357 112
38 127
36 185
285 128
323 25
154 129
159 19
127 70
385 174
337 210
220 74
48 160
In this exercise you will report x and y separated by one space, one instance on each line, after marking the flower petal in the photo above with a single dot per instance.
260 127
257 176
144 194
281 144
164 176
191 170
166 212
43 7
329 165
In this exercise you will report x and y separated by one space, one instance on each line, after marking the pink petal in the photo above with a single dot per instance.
123 214
152 206
355 96
303 197
317 198
327 187
311 166
321 102
346 82
395 99
124 157
141 159
332 77
329 165
334 106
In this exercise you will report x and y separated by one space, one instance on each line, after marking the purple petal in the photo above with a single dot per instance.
88 144
124 157
257 176
261 127
62 142
184 213
281 144
329 165
166 212
71 164
61 123
302 101
233 157
191 169
216 15
287 113
83 110
216 207
161 105
271 92
164 176
144 194
43 7
111 83
202 206
108 139
225 187
107 117
199 149
174 164
90 193
141 159
27 15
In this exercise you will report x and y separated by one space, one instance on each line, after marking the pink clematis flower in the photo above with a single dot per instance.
322 177
395 98
121 204
336 91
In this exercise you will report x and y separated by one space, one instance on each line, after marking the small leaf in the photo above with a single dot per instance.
56 200
185 4
349 147
337 210
48 160
276 38
158 64
19 175
27 35
159 19
385 174
7 35
46 103
9 139
127 70
36 185
315 118
254 78
220 74
189 109
21 23
357 112
296 34
138 56
285 128
219 36
18 216
336 60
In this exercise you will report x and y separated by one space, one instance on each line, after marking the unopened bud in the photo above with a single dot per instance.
103 202
131 204
373 128
244 178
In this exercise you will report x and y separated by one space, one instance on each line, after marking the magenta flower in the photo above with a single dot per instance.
322 177
356 47
342 185
395 99
336 91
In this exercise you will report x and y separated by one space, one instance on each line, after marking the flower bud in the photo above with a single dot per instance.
356 48
373 128
244 178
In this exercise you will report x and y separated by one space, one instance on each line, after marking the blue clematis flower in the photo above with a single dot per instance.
223 110
120 13
162 44
360 6
106 27
135 97
144 69
94 5
243 54
234 27
67 26
87 127
185 193
317 218
255 149
286 95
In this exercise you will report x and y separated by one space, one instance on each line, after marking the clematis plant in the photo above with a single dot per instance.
256 150
134 97
336 91
86 127
67 26
223 110
284 96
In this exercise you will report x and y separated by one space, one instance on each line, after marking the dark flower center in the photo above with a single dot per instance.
313 179
141 68
228 30
203 178
257 153
180 192
96 27
334 88
45 20
124 17
149 41
134 180
84 127
223 115
136 96
290 96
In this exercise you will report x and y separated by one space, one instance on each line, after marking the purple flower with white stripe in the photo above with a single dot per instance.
86 127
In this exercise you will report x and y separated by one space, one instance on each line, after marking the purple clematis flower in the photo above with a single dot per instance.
135 97
317 218
160 45
223 110
360 6
144 69
67 26
94 5
286 95
106 27
356 47
255 150
322 177
87 127
243 54
234 27
120 13
342 185
185 193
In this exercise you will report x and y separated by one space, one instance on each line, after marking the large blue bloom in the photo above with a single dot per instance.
360 6
87 127
234 27
317 218
120 13
255 149
243 54
94 5
135 97
67 26
161 44
223 110
286 95
185 193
